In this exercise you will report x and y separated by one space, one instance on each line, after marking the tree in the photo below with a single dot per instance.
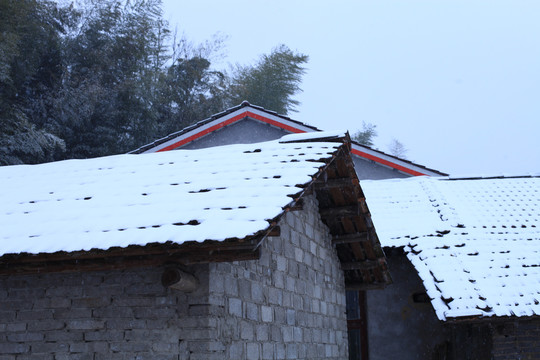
30 70
108 104
102 77
366 135
396 148
272 82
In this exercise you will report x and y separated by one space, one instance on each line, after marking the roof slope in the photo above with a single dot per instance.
193 206
474 242
246 110
117 201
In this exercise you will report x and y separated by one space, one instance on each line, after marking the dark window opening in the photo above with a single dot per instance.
357 325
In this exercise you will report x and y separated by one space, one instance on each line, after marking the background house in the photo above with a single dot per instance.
222 253
475 244
367 319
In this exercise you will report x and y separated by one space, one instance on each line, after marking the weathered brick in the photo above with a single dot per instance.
85 324
253 351
235 307
90 347
46 325
266 314
49 347
91 302
252 311
25 337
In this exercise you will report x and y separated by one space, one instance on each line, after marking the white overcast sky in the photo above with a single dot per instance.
457 82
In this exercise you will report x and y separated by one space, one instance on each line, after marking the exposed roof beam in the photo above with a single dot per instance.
351 238
340 211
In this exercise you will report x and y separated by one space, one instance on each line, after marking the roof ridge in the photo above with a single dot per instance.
488 177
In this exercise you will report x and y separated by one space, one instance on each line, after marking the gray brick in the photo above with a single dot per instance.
267 351
72 356
9 348
25 337
252 311
278 279
253 351
275 296
244 289
236 350
231 286
262 332
15 327
63 335
154 313
281 263
93 302
280 351
235 307
246 331
128 347
133 301
115 312
276 335
49 347
165 347
287 334
46 325
81 313
34 315
102 335
7 316
85 324
257 293
266 314
291 317
292 352
90 347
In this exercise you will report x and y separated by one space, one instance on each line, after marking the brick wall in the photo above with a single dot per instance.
99 315
516 340
288 305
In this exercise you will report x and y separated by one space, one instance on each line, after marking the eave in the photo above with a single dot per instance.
341 206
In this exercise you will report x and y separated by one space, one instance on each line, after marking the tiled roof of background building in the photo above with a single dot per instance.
474 242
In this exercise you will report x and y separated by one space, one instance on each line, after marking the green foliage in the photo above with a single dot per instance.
272 82
30 68
366 135
106 78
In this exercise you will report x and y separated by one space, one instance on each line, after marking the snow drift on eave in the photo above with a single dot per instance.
475 243
185 195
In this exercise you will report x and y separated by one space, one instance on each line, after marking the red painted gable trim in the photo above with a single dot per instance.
228 122
284 127
387 163
275 123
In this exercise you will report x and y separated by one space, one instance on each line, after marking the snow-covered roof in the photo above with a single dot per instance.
246 110
474 242
177 196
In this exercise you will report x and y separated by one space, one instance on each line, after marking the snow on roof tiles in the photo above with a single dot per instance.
178 196
474 242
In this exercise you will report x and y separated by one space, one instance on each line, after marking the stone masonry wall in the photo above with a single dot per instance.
288 305
101 315
519 339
